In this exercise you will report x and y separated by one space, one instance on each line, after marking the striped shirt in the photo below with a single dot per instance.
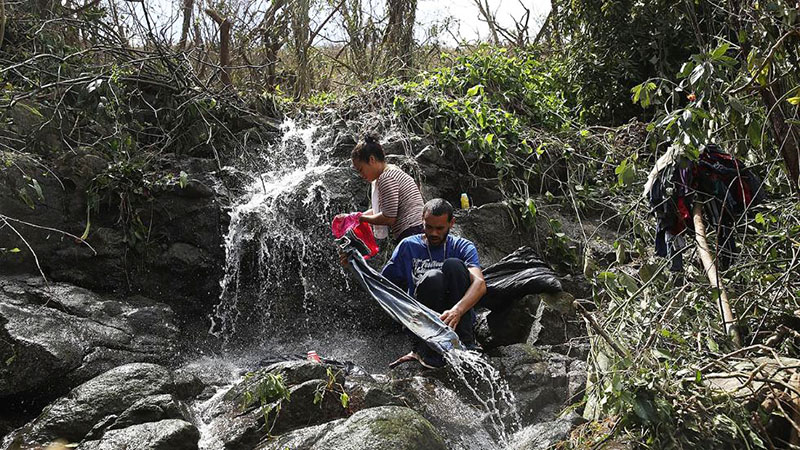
399 197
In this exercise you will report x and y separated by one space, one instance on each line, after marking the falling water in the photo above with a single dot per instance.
281 270
262 228
483 381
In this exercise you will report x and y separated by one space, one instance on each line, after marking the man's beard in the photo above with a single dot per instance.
443 240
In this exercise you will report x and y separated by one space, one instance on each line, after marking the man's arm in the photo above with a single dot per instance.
476 290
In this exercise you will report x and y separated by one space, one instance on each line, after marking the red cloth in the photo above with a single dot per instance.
362 230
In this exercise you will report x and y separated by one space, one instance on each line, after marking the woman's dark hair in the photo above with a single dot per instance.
368 146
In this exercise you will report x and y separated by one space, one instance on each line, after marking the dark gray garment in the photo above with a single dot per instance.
420 320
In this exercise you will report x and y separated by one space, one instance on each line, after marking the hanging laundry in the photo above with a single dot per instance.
725 187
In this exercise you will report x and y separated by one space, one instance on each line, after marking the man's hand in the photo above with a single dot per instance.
451 317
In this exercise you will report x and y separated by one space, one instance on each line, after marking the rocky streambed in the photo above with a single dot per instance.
200 341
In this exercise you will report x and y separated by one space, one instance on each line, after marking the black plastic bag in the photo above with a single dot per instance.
518 274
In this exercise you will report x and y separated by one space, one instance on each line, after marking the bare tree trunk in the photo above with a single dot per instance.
544 25
2 22
224 45
301 30
399 36
188 7
490 19
710 266
112 4
273 37
785 134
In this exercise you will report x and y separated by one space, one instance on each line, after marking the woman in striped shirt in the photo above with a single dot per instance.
398 198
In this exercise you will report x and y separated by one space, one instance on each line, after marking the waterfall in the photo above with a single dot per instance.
277 246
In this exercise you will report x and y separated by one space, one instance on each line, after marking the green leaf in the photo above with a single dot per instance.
606 276
698 377
643 410
760 219
32 110
720 51
697 73
794 100
712 344
475 90
344 399
37 188
531 207
184 178
23 194
489 138
625 173
88 224
14 250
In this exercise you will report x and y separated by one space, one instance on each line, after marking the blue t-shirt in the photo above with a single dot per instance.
412 258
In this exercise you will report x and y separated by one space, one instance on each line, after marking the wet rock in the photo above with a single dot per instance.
303 409
292 372
301 439
492 229
57 201
451 406
187 384
539 380
152 408
171 434
96 403
238 419
557 322
184 258
545 434
510 326
383 428
55 336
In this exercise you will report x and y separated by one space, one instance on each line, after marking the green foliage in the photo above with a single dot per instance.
485 104
710 99
270 393
332 386
606 47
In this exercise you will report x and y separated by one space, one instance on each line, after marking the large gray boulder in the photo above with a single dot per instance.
383 428
54 336
129 393
171 434
251 409
174 253
542 382
300 439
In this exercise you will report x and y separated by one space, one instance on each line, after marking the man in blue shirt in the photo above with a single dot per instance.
443 273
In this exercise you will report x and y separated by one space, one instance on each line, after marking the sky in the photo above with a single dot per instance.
464 14
467 15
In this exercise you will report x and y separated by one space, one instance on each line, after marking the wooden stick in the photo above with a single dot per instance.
710 266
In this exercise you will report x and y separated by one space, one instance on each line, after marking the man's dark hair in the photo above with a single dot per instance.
438 207
368 146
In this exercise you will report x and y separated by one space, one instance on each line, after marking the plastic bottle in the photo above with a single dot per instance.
464 201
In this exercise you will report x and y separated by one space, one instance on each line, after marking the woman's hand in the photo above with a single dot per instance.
343 259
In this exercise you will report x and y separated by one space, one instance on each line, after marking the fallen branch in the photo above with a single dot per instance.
710 266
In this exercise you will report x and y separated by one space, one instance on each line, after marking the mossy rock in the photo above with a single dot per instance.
383 428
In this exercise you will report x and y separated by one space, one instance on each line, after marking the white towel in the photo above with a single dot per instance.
380 231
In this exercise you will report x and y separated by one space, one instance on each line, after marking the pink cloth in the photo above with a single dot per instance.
362 230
